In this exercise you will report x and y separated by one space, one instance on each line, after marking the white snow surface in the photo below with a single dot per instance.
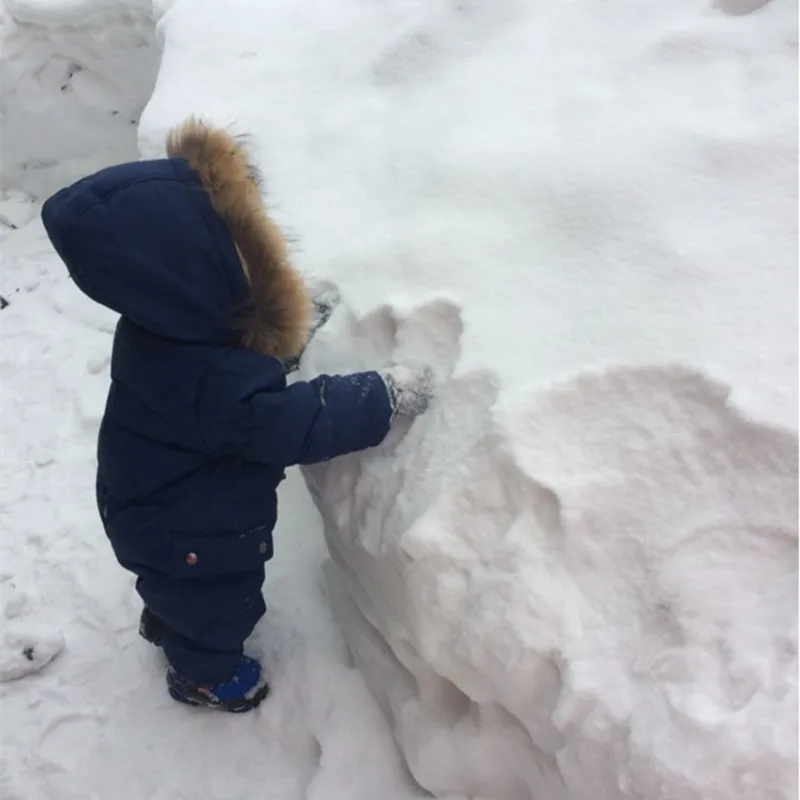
575 577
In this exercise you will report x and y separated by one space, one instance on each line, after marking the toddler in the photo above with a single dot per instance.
200 423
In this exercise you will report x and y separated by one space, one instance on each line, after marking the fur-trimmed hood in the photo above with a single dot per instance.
278 322
183 247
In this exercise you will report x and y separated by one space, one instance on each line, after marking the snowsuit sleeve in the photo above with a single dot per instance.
245 409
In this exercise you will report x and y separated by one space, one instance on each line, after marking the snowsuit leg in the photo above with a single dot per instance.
206 620
205 589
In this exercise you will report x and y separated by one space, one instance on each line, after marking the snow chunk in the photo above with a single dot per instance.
23 653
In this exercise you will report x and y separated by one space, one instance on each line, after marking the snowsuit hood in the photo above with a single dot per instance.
183 247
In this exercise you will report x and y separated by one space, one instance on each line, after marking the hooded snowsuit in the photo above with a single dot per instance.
198 428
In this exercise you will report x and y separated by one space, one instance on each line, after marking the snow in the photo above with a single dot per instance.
574 577
76 75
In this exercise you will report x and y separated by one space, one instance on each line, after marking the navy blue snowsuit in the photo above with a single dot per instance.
197 431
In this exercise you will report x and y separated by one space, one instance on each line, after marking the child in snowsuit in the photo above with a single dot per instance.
200 423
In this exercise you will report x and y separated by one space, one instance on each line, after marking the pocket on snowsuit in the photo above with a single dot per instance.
213 593
203 556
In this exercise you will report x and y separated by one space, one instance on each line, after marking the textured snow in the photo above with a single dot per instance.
576 576
75 76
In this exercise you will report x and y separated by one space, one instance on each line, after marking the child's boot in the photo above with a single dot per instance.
245 690
150 627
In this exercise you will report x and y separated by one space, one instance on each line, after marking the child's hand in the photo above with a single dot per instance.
325 297
411 388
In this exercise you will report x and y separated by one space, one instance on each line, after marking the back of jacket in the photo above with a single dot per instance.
197 431
160 485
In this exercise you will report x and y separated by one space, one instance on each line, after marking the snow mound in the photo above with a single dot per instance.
591 594
76 75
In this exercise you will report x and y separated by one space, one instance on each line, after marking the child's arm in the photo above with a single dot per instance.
255 416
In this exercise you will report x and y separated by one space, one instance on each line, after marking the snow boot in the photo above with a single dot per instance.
244 691
150 627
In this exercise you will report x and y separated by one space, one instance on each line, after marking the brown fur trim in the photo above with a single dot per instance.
278 325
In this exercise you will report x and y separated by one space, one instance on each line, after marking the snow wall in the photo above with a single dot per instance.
576 576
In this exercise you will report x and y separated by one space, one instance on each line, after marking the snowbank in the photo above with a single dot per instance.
576 576
592 598
76 75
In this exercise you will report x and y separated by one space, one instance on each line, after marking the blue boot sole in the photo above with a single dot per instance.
238 706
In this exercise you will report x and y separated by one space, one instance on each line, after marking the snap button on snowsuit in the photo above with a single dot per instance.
262 548
191 559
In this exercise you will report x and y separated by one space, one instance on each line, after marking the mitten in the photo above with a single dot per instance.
324 298
411 388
